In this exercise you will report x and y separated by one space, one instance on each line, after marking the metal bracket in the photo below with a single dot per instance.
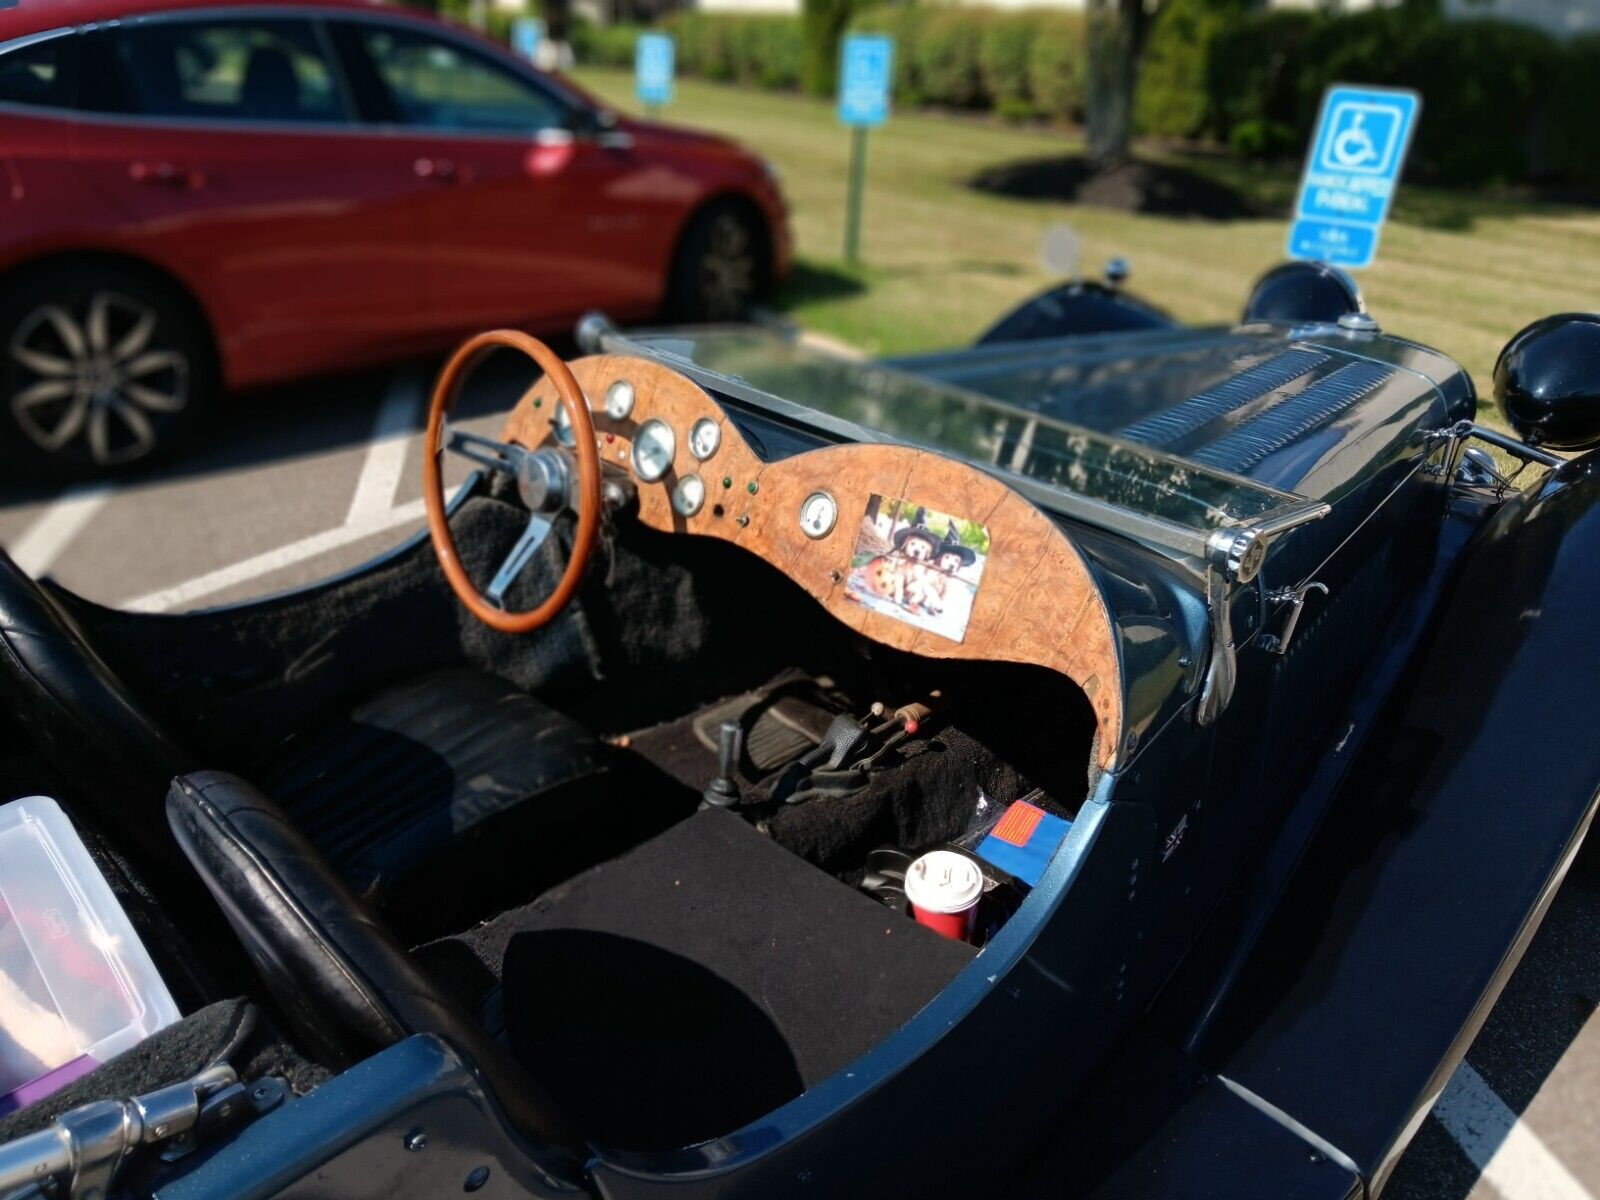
1295 597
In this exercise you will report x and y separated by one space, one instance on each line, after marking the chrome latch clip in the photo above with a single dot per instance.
1295 597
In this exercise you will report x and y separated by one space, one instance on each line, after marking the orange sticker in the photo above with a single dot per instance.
1018 824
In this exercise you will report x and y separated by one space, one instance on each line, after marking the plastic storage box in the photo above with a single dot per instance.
76 985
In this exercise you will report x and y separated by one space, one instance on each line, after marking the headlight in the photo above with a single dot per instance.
771 172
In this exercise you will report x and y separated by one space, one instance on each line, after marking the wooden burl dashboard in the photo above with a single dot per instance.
914 550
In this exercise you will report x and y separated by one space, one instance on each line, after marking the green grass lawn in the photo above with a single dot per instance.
1457 271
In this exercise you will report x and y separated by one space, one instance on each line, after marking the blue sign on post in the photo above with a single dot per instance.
866 71
653 57
526 34
1351 174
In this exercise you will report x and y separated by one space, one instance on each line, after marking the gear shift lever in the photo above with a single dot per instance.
723 791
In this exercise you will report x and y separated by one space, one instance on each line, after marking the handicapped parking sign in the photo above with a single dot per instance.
1351 174
866 71
653 64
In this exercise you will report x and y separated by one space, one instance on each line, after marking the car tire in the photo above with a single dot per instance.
723 266
101 369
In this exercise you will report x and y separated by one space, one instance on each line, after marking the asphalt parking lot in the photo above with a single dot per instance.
293 485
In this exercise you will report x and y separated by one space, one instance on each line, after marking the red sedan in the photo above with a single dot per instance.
200 195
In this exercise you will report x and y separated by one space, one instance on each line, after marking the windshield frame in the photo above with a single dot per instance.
1291 511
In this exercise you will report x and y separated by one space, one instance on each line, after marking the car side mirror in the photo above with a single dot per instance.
1547 382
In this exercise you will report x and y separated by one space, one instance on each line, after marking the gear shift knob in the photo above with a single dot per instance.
723 792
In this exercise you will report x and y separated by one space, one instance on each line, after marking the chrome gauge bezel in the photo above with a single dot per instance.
817 535
658 432
705 427
689 495
619 400
561 423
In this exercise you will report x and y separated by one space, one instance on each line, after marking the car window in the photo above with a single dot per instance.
36 75
238 70
440 84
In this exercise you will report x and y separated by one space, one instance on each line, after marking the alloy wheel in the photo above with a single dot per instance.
727 268
94 375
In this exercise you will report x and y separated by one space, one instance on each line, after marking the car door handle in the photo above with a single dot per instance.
165 174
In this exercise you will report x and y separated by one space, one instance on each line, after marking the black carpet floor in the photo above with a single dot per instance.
696 983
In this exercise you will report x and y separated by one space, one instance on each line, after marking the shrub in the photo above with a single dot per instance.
1058 65
946 57
705 44
1171 100
1252 82
1003 49
605 45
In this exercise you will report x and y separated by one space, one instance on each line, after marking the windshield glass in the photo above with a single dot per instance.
1180 502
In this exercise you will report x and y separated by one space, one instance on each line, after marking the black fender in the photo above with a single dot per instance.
1442 848
1071 309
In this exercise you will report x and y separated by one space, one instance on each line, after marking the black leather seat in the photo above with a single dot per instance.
337 974
396 792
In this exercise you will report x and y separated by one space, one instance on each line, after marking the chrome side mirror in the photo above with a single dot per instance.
1547 382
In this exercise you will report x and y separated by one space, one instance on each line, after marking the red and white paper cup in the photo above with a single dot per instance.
944 889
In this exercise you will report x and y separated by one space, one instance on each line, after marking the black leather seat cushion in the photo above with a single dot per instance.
695 983
424 792
336 972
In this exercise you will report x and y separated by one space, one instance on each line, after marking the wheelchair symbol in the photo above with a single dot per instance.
1361 138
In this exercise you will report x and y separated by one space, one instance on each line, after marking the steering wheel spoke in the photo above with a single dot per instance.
550 480
539 527
507 457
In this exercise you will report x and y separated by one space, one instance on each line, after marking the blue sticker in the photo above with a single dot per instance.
1351 173
866 74
653 65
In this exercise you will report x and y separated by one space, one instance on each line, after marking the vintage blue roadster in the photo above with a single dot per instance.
606 840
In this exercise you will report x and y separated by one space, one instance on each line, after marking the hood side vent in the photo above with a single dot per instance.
1167 429
1293 417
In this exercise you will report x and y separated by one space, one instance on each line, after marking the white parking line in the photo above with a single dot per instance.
1511 1157
274 560
386 455
43 541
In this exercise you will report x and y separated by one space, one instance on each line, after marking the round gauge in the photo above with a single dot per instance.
619 400
563 425
689 497
818 515
705 435
653 448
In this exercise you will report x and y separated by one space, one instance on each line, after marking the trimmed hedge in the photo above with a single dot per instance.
1020 64
1017 63
1502 102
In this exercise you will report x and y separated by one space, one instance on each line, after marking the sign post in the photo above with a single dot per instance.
866 71
1351 174
653 64
526 34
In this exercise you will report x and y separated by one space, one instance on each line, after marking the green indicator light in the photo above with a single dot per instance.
752 487
727 481
538 403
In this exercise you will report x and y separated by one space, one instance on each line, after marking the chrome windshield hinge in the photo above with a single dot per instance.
1236 556
1295 597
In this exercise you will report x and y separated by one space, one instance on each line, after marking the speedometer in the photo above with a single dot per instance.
653 448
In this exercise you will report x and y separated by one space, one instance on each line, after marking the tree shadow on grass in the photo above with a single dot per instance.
812 283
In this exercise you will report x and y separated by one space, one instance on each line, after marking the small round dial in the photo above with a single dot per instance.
689 496
818 515
563 426
705 435
653 448
619 400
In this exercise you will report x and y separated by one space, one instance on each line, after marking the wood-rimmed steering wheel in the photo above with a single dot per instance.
549 479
